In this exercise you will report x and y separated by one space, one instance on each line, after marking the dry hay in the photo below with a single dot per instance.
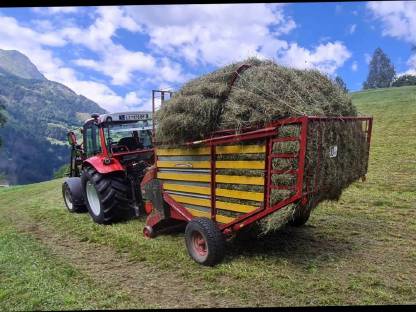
261 93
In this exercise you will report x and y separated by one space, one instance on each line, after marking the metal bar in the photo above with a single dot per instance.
267 176
213 183
180 209
256 134
302 154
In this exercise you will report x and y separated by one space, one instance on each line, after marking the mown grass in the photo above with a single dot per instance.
34 279
359 250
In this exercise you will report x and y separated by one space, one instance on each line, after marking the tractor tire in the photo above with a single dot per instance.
107 197
72 194
300 218
204 241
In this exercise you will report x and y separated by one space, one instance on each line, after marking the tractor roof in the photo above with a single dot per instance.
125 116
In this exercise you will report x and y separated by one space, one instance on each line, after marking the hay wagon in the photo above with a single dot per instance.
209 185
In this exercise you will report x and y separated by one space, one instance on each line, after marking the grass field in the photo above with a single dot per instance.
359 250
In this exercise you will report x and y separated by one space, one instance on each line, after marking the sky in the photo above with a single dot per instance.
115 55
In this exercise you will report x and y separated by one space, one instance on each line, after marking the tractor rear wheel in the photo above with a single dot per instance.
107 197
204 241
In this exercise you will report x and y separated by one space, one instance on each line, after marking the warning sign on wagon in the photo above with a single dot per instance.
333 150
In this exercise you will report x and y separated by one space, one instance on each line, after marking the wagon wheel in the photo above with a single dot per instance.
204 241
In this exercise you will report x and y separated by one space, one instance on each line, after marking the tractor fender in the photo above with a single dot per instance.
98 163
75 186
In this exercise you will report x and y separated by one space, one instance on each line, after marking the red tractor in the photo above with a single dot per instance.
107 168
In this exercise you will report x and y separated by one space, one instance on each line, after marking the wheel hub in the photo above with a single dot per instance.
199 243
93 199
68 198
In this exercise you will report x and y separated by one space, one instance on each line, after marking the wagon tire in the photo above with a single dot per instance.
69 200
300 217
107 197
204 241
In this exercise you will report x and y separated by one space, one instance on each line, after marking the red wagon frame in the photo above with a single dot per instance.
269 133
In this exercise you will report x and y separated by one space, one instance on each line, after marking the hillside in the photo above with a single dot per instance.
357 251
39 113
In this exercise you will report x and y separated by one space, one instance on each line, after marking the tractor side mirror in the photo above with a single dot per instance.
72 139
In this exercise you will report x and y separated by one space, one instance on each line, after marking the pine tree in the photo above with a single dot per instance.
381 71
405 80
341 83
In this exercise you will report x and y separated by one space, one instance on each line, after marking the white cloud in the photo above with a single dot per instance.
325 57
214 34
398 18
399 21
352 29
367 58
35 45
354 66
56 10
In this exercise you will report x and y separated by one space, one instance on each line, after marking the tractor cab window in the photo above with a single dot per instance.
128 136
91 140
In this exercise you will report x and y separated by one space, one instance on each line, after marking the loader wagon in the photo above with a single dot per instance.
189 184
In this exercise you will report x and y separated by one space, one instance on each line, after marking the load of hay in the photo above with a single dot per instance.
262 92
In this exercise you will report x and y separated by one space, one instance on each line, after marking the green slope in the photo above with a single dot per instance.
359 250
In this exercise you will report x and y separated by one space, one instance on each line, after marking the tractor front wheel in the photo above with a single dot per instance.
204 241
107 197
71 197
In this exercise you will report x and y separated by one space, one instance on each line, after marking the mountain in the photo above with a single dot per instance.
18 64
39 113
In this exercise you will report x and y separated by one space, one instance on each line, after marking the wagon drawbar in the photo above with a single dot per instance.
194 184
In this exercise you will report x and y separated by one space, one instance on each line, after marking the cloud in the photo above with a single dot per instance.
56 10
354 66
398 18
367 58
36 46
352 29
213 34
326 57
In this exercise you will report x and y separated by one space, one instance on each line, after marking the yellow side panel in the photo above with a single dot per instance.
255 196
184 164
187 188
241 149
183 151
207 203
240 180
184 176
207 178
232 164
205 150
220 218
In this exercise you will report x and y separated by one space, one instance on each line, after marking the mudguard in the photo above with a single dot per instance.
98 163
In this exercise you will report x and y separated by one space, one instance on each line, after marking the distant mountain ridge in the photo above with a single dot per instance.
18 64
39 113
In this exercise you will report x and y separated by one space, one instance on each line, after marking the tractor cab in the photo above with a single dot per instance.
118 133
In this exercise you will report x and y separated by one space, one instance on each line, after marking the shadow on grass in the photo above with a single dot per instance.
298 245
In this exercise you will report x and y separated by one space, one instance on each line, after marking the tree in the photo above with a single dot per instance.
2 118
405 80
381 71
341 83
